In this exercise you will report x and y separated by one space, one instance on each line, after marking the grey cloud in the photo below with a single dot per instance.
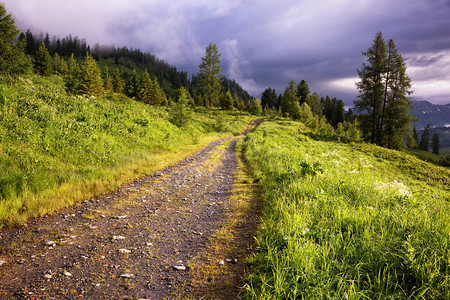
319 41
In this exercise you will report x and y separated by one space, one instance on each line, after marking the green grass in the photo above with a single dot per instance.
56 149
346 221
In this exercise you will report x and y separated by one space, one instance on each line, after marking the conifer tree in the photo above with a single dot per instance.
158 95
145 93
132 85
107 83
72 78
180 113
289 102
12 56
313 102
117 82
227 101
302 92
384 90
90 77
269 98
412 138
371 87
236 101
435 143
425 139
415 137
254 107
59 65
43 61
211 74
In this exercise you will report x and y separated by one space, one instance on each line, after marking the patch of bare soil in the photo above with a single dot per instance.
182 232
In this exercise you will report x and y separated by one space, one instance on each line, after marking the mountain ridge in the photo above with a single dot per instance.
435 114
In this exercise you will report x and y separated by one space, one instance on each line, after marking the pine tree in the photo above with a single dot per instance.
425 139
396 118
384 90
269 98
90 77
435 143
371 87
338 112
12 56
415 137
43 61
302 92
211 74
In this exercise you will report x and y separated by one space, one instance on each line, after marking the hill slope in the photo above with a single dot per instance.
56 148
346 220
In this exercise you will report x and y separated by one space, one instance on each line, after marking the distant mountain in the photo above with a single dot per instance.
436 115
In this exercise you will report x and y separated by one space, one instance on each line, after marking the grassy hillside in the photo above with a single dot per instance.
56 149
346 221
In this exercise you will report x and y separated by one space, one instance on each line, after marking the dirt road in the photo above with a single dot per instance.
145 241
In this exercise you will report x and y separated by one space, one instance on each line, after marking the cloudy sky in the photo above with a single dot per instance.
264 43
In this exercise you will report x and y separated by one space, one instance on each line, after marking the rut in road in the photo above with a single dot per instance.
137 242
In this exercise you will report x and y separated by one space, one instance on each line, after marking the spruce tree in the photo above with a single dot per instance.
289 102
59 65
415 137
302 92
313 102
132 85
227 101
269 98
90 77
43 61
180 114
117 82
72 78
435 143
425 139
211 74
158 95
145 91
12 56
107 83
412 138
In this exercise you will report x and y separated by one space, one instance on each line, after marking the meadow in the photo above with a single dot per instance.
57 149
346 221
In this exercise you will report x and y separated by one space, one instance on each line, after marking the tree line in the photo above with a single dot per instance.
94 70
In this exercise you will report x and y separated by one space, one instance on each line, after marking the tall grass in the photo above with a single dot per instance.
56 148
346 221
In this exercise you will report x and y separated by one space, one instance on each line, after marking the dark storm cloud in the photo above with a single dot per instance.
265 43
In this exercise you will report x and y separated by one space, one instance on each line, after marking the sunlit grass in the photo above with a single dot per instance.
347 221
57 149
